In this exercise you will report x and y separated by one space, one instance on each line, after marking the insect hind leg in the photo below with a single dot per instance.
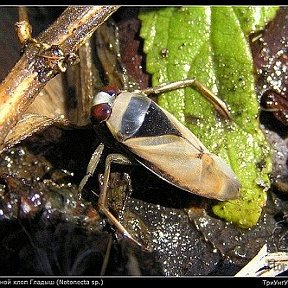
218 104
102 201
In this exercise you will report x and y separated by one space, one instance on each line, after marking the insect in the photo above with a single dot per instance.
145 133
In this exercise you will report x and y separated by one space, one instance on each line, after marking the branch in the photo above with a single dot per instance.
44 58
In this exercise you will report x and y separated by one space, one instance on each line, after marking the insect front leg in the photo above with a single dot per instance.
95 158
102 201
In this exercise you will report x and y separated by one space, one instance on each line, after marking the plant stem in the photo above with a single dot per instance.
40 63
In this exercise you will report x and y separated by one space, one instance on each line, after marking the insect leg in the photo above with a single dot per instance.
95 158
219 105
102 201
106 257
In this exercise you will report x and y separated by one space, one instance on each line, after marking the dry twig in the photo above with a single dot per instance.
265 264
45 57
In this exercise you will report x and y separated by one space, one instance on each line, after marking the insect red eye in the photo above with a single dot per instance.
100 112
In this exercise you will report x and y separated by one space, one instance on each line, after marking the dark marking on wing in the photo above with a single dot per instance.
156 123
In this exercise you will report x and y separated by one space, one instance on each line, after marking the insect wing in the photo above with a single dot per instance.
170 150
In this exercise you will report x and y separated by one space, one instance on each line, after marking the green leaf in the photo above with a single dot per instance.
210 43
254 18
